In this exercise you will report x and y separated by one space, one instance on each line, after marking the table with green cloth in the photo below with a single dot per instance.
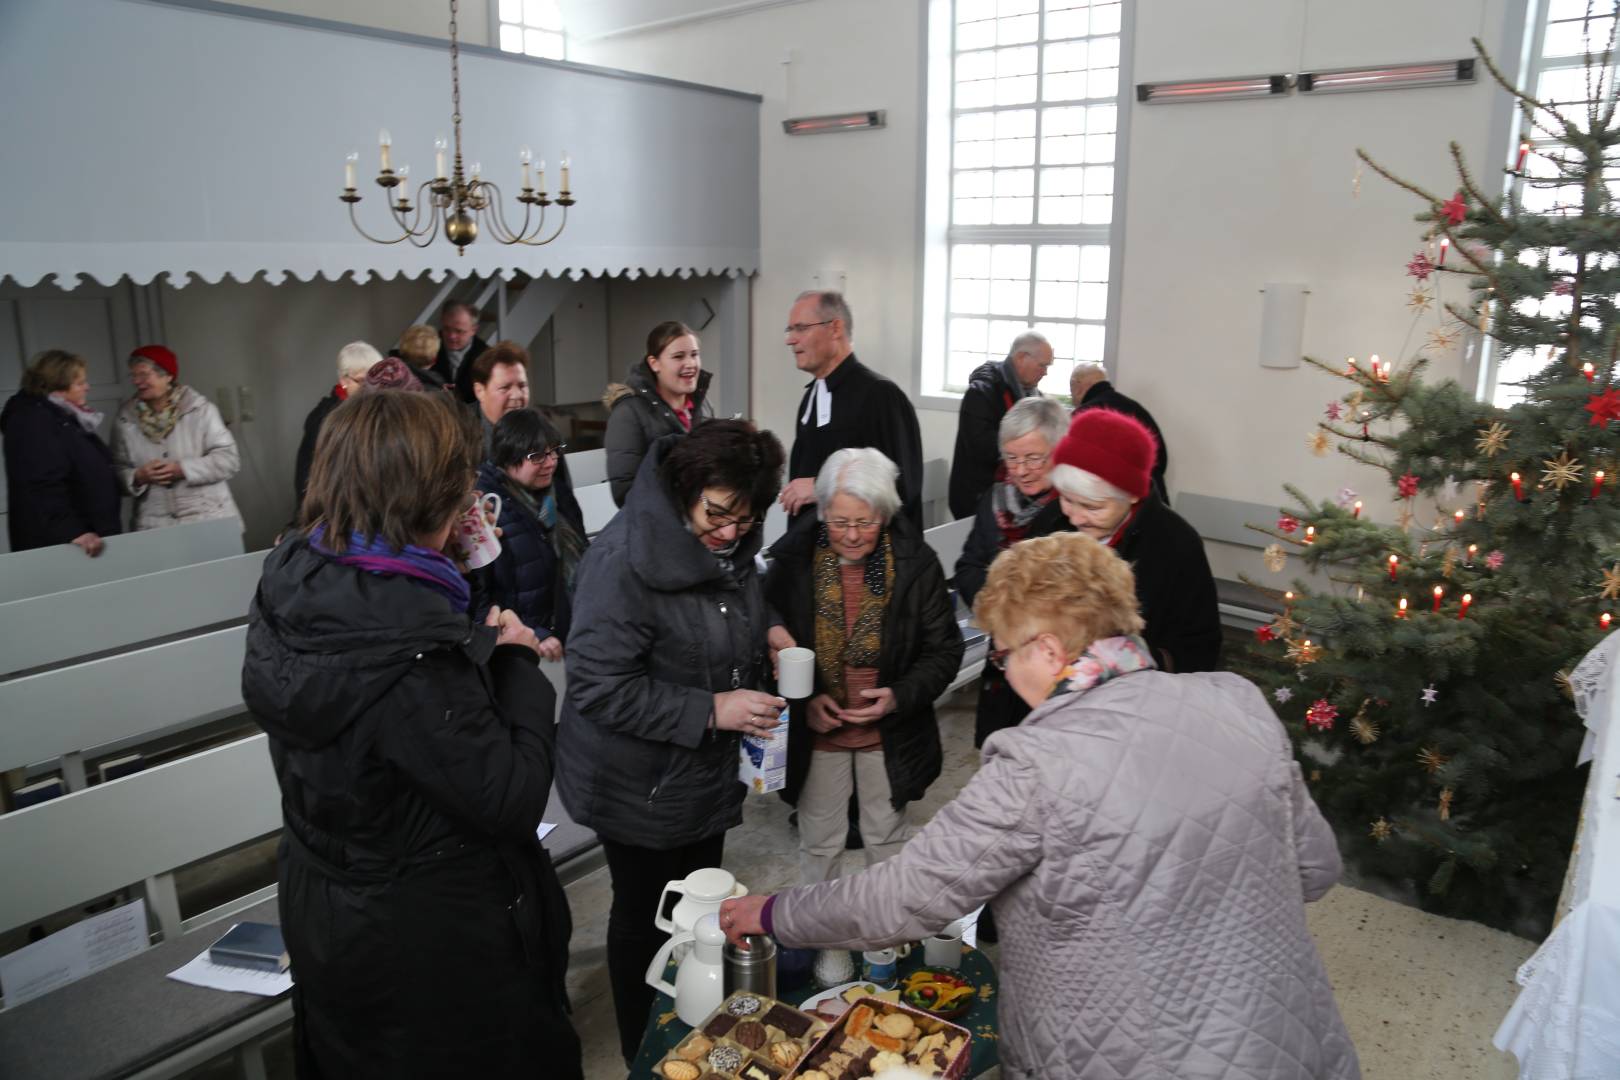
665 1029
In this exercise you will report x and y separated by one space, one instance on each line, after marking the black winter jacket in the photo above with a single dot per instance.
306 445
921 653
527 576
424 921
1103 396
1175 588
639 419
999 705
659 628
60 481
977 456
462 379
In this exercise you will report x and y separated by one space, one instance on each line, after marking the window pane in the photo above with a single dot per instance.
976 65
542 14
1104 53
971 260
974 185
1070 56
969 335
1089 342
1066 24
1100 118
1105 19
1577 38
1060 210
1009 261
1103 84
970 296
973 10
970 212
1018 29
975 35
1558 10
1061 338
1054 299
1099 148
1009 297
511 11
1065 86
511 38
1058 262
1094 262
1011 62
1092 301
1018 7
1097 210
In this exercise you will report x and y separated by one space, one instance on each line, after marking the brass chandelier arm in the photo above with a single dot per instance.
355 221
415 226
561 225
503 232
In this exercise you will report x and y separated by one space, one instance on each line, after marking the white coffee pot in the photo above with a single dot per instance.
699 981
702 892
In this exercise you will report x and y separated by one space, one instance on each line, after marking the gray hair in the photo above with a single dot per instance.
1077 483
1042 414
861 473
831 305
356 358
1027 342
459 305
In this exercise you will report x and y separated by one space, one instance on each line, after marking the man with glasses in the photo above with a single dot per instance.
1090 389
848 405
993 388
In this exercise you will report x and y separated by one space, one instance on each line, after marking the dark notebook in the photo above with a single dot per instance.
251 945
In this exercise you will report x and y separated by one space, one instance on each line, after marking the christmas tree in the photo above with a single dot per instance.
1426 685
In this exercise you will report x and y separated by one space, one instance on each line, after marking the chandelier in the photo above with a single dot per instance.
461 199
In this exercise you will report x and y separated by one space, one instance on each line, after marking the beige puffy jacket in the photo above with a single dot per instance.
1148 847
206 451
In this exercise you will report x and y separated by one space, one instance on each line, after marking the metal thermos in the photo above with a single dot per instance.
752 969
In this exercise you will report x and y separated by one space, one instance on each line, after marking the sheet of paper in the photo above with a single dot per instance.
544 830
204 972
81 949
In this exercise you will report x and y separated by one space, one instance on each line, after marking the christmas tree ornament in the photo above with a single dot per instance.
1419 267
1403 520
1562 471
1445 246
1588 370
1493 439
1319 443
1448 562
1394 565
1310 534
1381 830
1611 583
1604 407
1462 612
1264 634
1282 695
1454 209
1355 511
1316 774
1275 557
1439 591
1604 620
1432 760
1597 485
1287 523
1334 410
1420 300
1407 485
1473 549
1430 695
1364 727
1567 688
1524 151
1518 486
1495 560
1284 626
1303 652
1321 715
1442 338
1400 608
1445 804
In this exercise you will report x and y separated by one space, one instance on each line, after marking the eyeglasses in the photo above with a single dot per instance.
538 456
999 657
720 519
839 525
799 328
1026 461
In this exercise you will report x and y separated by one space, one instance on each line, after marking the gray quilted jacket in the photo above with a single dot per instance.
1148 847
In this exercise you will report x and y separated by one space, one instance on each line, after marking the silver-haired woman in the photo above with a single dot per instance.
1021 507
862 588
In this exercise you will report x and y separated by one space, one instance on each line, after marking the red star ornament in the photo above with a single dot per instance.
1455 209
1408 485
1604 407
1287 523
1420 267
1264 633
1321 714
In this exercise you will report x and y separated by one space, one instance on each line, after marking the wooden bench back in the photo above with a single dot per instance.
62 567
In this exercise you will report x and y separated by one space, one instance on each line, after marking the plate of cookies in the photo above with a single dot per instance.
875 1038
749 1037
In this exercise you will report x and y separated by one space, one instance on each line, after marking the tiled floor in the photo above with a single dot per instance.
1421 994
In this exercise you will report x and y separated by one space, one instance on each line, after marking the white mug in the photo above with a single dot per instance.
796 673
944 949
473 537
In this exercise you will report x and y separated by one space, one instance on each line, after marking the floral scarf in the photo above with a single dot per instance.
860 648
432 568
1015 511
87 417
156 424
1104 659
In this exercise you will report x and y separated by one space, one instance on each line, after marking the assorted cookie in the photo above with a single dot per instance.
748 1038
874 1037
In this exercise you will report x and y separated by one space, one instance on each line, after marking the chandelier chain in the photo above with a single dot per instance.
455 84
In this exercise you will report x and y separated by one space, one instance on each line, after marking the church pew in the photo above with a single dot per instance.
55 569
587 467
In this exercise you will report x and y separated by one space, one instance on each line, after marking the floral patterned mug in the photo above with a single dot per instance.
473 538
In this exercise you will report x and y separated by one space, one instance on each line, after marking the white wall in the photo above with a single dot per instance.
1220 198
844 202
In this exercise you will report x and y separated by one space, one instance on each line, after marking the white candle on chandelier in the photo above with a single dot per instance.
540 177
439 147
525 155
476 170
348 169
404 188
566 162
384 141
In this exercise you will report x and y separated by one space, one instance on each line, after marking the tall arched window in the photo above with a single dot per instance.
1025 109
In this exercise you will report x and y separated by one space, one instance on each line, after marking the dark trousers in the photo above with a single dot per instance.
639 874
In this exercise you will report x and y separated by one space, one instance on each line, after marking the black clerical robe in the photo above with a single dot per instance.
867 410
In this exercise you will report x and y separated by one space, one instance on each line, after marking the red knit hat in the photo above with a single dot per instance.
159 357
1110 446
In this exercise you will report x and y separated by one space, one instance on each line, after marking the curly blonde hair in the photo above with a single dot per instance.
1065 584
419 346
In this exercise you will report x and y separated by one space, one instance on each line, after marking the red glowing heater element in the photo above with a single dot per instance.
1468 598
1387 77
1597 483
824 125
1250 86
1518 487
1438 593
1394 561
